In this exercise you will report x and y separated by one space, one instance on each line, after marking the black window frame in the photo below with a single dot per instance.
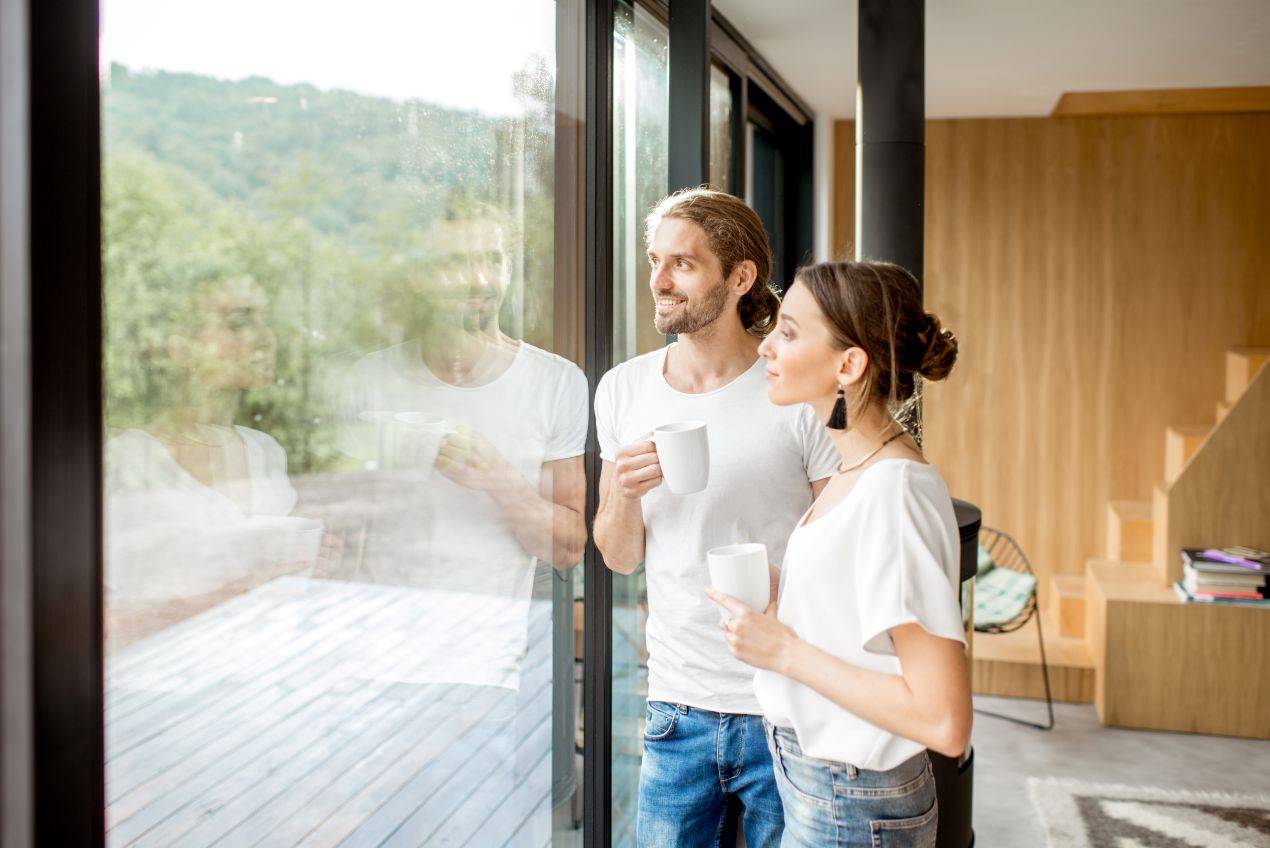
54 789
762 97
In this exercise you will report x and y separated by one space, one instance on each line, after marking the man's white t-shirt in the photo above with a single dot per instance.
427 531
886 555
762 457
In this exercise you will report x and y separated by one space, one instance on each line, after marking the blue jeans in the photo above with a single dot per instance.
836 804
697 766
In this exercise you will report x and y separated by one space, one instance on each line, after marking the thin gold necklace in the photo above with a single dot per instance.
853 466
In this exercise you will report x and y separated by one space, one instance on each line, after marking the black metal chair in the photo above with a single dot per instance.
1006 553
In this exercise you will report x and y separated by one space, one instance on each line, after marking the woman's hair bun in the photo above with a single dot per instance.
941 349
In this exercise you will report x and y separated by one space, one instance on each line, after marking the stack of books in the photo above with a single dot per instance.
1225 576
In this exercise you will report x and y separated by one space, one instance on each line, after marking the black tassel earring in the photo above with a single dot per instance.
838 418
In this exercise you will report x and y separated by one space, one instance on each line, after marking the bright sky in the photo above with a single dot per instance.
458 53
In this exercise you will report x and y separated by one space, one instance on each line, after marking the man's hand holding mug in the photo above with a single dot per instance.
638 469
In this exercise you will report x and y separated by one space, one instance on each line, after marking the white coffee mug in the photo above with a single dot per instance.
683 451
741 571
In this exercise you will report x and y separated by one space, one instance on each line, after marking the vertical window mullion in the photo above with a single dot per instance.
598 601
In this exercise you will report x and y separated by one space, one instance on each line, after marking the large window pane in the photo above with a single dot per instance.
342 456
640 160
641 120
720 128
767 186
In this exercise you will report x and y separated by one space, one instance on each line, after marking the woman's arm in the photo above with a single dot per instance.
928 703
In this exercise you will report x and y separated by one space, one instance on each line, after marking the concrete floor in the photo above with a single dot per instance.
1007 754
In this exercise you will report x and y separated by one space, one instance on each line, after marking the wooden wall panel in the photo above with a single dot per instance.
843 243
1095 271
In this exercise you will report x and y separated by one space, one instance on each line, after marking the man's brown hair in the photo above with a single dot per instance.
734 233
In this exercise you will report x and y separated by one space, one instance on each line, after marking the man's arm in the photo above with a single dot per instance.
619 522
548 522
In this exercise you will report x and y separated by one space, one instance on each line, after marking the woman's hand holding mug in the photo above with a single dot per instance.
755 638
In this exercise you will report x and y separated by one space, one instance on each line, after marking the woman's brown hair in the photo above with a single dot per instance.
734 233
877 307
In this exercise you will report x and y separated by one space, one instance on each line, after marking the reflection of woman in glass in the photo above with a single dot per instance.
189 495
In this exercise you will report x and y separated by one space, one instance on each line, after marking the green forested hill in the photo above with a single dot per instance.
352 155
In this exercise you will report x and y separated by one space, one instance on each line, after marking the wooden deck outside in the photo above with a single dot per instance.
288 717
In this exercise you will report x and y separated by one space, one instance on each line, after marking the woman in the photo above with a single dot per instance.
198 508
862 661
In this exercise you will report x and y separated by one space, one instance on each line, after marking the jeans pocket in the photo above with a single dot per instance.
912 832
810 780
660 721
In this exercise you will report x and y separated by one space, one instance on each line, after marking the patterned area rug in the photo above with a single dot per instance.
1077 814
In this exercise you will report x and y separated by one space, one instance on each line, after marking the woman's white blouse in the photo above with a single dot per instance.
888 554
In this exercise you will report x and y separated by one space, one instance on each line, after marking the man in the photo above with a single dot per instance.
704 749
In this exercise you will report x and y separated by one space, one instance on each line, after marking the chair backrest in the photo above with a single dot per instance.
1008 556
1005 552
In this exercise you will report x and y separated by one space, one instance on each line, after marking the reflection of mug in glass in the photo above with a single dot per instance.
286 538
376 436
683 451
422 437
741 571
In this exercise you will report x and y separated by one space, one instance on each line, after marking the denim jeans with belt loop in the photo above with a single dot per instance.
835 804
699 769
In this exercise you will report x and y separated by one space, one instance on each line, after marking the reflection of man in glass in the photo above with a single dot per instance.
475 440
196 507
478 441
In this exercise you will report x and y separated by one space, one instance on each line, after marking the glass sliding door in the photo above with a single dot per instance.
344 425
721 128
641 103
641 121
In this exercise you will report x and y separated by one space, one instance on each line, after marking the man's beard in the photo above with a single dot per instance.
692 317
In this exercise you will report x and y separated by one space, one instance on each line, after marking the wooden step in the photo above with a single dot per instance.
1163 664
1180 444
1129 531
1223 407
1242 364
1009 664
1067 604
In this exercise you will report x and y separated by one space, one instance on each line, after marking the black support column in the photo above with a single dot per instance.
891 132
890 183
597 675
689 93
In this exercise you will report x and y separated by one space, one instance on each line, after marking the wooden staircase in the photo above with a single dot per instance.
1118 636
